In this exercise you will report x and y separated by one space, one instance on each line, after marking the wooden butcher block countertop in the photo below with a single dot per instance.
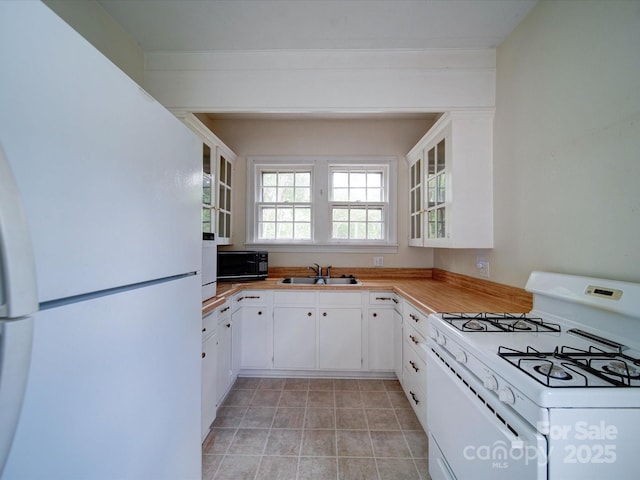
431 290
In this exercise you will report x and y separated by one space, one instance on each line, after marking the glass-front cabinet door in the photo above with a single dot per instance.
437 190
224 198
208 206
416 209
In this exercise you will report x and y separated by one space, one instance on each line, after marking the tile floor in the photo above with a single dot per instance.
316 429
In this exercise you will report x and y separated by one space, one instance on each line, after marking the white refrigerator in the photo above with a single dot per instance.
100 251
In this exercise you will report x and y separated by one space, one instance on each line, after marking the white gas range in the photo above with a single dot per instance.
550 395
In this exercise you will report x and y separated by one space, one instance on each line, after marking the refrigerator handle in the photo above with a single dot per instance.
18 291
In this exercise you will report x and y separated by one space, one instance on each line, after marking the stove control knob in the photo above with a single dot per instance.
490 382
506 396
461 357
441 340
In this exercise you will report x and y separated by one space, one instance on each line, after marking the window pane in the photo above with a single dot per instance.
358 180
375 231
341 214
269 179
303 179
269 194
358 231
267 231
302 214
374 180
284 231
358 195
302 231
374 194
358 215
303 195
340 230
268 214
340 195
286 179
285 214
340 179
374 215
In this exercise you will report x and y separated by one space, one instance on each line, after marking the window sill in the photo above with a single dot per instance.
324 248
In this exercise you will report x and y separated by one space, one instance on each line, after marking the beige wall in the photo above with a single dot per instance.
566 146
91 21
395 137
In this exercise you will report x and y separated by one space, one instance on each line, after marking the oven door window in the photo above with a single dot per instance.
474 442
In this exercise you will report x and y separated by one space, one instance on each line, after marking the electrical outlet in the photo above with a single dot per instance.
378 261
483 268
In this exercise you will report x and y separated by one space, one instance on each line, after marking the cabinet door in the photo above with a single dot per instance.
381 345
224 197
224 374
397 344
340 338
256 336
209 365
416 201
294 337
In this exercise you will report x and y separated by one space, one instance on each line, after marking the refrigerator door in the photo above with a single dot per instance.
114 389
110 180
17 301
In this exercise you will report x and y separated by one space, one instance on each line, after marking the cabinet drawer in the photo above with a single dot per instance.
249 297
416 318
383 298
415 368
209 323
296 297
339 298
416 395
413 339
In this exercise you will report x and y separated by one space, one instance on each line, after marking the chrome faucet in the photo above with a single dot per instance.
317 269
329 271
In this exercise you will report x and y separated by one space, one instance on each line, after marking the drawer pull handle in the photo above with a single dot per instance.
204 354
204 329
260 312
324 314
415 398
224 309
413 364
309 314
228 325
414 339
386 299
249 297
375 315
414 317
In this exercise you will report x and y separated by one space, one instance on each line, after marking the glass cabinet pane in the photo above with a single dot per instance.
441 187
206 220
206 158
431 162
440 223
440 155
206 189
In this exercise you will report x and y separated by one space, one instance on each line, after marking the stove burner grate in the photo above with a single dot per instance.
585 368
498 322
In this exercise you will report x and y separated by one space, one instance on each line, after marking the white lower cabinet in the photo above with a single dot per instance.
397 344
294 338
224 377
381 345
340 338
209 366
257 333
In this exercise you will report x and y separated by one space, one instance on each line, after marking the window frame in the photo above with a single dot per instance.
321 203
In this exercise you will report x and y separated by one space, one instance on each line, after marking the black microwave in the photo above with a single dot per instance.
242 266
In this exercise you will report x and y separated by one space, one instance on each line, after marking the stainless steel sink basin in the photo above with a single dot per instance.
320 281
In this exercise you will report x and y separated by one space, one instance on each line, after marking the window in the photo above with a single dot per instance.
284 205
357 203
330 202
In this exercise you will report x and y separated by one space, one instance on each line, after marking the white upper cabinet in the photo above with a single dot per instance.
451 183
217 170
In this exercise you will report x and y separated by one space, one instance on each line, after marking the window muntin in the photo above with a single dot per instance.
284 208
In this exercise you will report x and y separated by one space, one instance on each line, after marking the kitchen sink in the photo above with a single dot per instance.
320 281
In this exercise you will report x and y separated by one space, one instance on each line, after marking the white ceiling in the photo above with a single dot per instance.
232 25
